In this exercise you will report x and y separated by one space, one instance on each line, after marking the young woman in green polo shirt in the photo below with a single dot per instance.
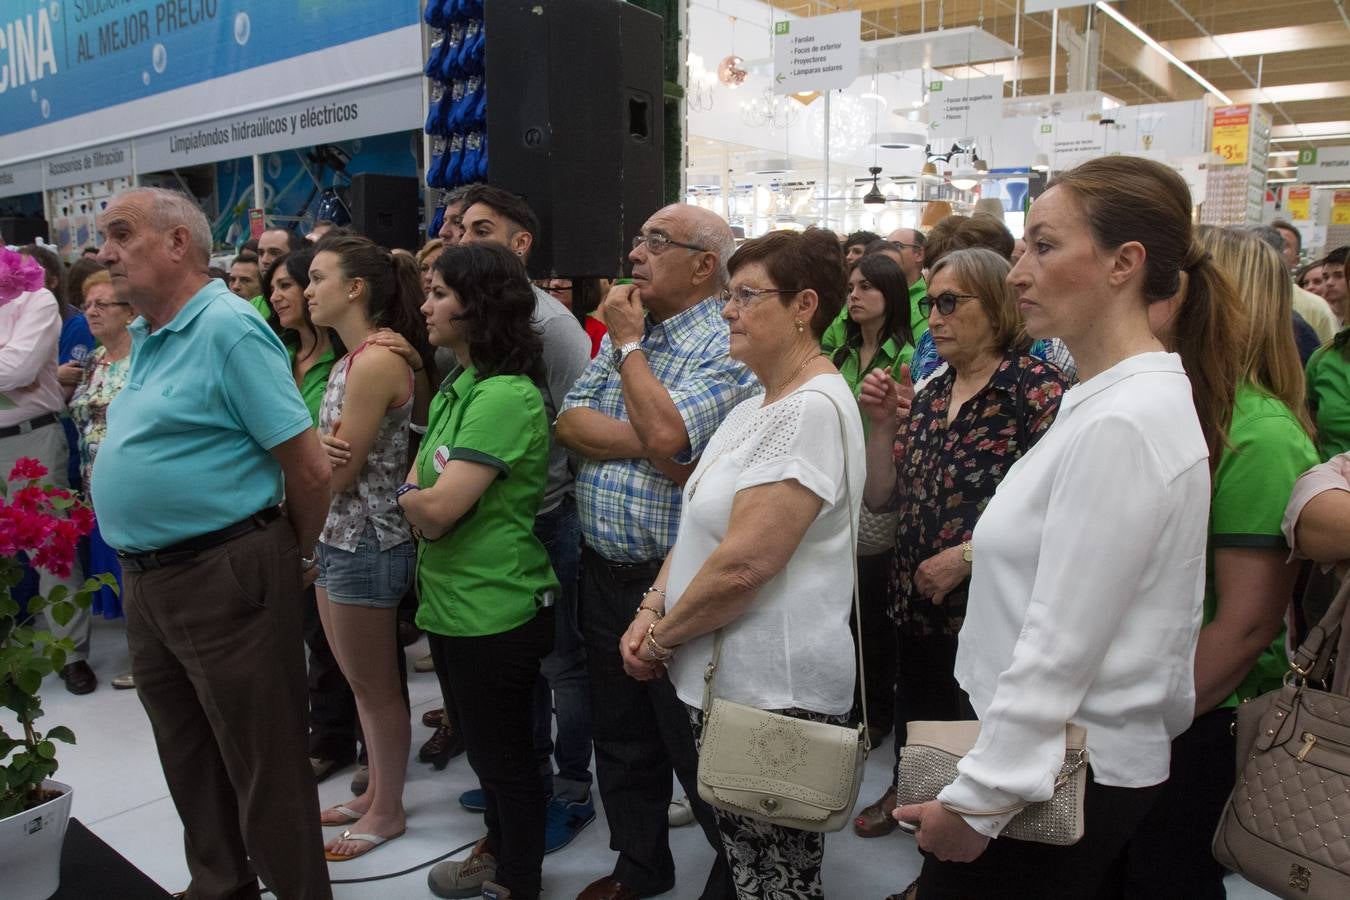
312 349
485 583
1249 583
1329 388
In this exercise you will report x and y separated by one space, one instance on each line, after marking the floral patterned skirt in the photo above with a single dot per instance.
770 862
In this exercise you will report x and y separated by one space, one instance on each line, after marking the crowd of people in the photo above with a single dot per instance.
1068 471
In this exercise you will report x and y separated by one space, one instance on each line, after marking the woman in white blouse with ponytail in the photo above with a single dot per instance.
1089 562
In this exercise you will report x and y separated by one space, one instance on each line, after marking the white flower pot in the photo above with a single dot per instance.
30 847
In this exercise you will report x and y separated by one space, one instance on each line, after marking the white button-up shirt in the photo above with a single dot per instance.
1085 601
30 329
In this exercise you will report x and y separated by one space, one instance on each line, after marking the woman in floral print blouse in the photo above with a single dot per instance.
964 431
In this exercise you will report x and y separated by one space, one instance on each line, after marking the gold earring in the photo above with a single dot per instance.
799 326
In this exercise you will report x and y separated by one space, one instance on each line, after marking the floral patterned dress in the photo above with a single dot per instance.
947 474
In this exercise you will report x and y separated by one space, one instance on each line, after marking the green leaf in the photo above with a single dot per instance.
58 593
61 613
58 658
9 607
61 733
46 750
29 681
62 502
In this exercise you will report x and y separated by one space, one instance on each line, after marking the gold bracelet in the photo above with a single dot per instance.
659 613
655 590
661 654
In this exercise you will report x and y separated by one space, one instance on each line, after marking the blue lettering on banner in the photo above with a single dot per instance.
65 58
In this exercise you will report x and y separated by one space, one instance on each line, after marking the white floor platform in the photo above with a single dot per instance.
120 794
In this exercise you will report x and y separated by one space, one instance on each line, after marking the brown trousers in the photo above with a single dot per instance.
217 653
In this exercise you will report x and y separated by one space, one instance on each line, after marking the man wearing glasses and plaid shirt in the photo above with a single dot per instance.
639 417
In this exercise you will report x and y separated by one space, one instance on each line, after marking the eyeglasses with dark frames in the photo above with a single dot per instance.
658 243
945 302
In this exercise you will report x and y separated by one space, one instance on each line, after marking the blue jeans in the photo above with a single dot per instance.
563 671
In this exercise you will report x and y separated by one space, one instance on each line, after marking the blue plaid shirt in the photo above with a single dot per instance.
629 511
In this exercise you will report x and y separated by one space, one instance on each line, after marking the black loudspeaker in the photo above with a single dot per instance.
386 210
14 230
574 123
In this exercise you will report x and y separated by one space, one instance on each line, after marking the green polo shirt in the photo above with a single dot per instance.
833 338
315 382
261 305
486 575
1329 393
1267 451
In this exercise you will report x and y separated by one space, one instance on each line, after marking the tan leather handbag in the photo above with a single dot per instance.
1286 826
779 769
928 764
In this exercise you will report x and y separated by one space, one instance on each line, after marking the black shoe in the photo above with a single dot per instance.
79 678
408 633
443 745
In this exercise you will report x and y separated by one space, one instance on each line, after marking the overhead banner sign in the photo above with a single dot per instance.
1323 164
818 53
377 109
1076 142
74 69
966 107
1232 134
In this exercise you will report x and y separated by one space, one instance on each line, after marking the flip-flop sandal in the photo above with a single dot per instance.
349 816
374 840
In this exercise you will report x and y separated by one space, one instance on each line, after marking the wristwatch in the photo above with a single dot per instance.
965 551
621 353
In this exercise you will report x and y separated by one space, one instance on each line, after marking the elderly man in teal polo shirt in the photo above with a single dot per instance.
188 489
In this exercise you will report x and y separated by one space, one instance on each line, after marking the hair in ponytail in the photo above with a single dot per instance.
1130 199
393 288
1270 357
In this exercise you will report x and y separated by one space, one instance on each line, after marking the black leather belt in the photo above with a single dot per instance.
31 425
627 571
186 551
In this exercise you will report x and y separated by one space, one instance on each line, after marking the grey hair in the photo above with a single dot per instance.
984 273
172 209
1268 233
715 234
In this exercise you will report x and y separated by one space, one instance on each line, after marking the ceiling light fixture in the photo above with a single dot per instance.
1166 54
874 197
1041 164
1308 138
898 140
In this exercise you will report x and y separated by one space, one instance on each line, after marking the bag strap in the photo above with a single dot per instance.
1020 404
1313 657
710 673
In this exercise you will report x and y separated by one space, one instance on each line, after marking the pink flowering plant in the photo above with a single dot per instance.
19 274
46 523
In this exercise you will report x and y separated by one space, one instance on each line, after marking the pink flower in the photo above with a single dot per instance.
18 275
27 468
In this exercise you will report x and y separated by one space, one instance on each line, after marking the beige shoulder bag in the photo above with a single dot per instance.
778 769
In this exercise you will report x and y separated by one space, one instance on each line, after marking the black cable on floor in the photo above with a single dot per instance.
408 871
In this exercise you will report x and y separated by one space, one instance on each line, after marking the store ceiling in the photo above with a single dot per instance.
1292 56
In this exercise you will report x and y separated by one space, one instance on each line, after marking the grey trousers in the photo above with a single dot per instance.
48 446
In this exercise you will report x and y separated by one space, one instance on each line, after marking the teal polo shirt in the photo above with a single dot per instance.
835 335
208 395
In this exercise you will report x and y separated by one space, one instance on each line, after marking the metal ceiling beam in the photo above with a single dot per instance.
1266 42
1293 93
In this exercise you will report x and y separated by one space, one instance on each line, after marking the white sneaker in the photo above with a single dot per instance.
680 813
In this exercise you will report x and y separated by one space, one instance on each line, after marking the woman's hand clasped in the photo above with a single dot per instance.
637 658
941 832
939 575
339 451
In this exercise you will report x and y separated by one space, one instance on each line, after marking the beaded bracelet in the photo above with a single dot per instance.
659 653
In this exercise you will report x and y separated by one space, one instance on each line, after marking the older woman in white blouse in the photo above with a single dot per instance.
1089 562
764 549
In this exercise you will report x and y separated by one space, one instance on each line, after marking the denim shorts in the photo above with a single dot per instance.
370 577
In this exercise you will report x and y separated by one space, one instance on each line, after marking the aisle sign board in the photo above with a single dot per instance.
83 166
72 70
819 53
1298 201
21 178
965 107
1324 164
1076 142
1340 208
1231 135
375 109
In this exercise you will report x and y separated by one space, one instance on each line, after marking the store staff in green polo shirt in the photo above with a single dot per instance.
905 247
312 350
1249 582
246 281
1329 377
485 581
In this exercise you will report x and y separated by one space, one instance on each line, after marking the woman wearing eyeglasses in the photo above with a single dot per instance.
105 374
965 429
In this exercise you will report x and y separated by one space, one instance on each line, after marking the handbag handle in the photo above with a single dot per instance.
1313 657
710 673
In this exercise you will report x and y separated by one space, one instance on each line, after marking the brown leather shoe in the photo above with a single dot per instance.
434 718
876 820
444 745
608 888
